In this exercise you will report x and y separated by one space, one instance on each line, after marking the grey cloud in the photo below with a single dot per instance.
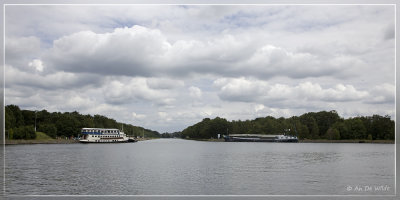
139 51
247 90
389 32
19 51
264 60
54 81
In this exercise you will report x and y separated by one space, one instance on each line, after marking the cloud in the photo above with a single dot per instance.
37 65
53 81
195 92
252 90
164 83
138 116
131 90
146 52
382 94
165 67
19 51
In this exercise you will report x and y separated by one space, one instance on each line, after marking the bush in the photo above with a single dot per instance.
24 132
369 137
332 134
49 129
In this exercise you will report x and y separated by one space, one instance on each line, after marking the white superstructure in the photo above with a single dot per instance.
101 135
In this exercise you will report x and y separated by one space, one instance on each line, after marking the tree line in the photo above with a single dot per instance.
313 125
20 124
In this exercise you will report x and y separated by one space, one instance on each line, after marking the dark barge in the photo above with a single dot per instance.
260 138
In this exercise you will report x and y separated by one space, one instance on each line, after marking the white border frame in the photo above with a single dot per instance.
200 4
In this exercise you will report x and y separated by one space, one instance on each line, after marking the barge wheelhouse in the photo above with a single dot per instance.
102 135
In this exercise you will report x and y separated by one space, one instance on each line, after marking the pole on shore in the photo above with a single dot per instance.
35 120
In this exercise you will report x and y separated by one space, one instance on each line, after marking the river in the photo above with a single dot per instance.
185 167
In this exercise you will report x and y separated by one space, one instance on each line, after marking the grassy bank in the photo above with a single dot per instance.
41 138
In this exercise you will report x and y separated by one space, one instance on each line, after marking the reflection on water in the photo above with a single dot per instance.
173 166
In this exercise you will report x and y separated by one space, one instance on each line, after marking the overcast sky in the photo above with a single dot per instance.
166 67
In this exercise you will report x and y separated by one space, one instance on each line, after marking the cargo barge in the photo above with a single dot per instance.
260 138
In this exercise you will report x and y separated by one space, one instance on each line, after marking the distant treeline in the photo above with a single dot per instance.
19 124
312 125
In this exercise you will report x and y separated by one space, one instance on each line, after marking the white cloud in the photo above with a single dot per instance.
178 64
19 51
138 116
131 90
164 83
382 94
148 52
37 65
195 92
252 90
53 81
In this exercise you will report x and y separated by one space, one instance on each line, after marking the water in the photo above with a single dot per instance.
182 167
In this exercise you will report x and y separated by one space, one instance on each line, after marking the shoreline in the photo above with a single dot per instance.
315 141
64 141
348 141
53 141
39 141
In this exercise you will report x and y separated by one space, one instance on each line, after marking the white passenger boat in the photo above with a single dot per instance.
103 135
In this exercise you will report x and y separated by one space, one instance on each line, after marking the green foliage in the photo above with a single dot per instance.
332 134
14 117
308 120
369 137
56 124
302 130
328 125
207 128
42 136
356 128
48 129
24 132
172 135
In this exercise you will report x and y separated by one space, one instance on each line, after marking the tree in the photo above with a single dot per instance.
343 130
325 120
332 134
15 113
24 132
49 129
308 120
356 128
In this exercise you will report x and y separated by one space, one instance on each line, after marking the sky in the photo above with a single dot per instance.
166 67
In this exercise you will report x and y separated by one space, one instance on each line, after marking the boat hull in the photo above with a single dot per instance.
259 139
99 141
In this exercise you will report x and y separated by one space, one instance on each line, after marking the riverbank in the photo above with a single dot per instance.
315 141
144 139
41 141
54 141
348 141
206 140
71 141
